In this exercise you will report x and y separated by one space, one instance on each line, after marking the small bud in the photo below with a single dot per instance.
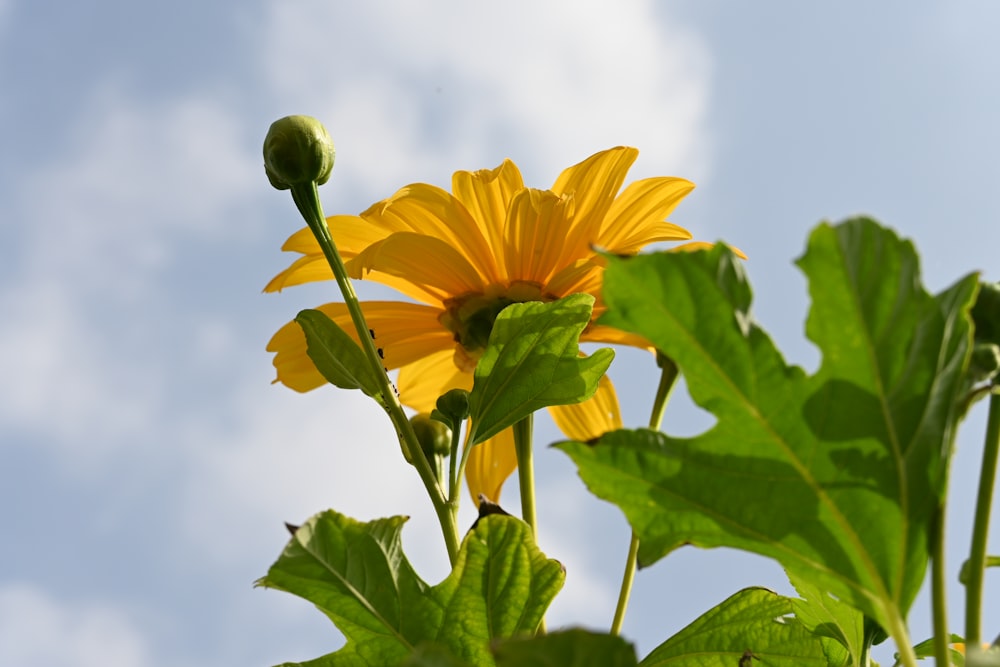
986 313
454 406
297 150
985 362
433 436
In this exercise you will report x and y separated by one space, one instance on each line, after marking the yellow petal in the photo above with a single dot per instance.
592 418
421 383
489 465
583 276
307 269
486 195
595 181
405 332
351 234
692 246
428 263
535 235
598 333
430 211
637 216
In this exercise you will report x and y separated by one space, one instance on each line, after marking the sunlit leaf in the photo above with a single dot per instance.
356 573
838 475
533 361
566 648
335 354
756 623
826 616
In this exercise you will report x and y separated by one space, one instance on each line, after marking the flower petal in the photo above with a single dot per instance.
405 332
592 418
428 263
421 383
489 465
351 234
536 232
637 216
598 333
486 195
430 211
595 181
693 246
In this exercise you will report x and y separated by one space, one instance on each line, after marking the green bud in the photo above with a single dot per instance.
433 436
986 313
985 362
297 150
453 406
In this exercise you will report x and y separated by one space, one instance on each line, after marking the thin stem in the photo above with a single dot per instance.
526 481
668 378
939 594
981 524
307 201
526 473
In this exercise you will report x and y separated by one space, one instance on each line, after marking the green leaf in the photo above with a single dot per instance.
925 649
533 361
826 616
837 476
356 573
566 648
754 621
335 354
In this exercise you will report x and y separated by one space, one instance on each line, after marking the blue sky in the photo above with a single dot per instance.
146 462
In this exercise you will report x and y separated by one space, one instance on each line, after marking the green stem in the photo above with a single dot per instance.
939 593
306 199
526 473
980 531
526 481
668 378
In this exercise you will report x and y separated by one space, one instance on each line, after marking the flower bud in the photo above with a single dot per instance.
986 313
985 362
297 150
433 436
454 405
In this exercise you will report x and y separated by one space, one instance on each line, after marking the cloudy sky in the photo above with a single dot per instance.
146 462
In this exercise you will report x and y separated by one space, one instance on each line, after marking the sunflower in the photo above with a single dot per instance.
461 257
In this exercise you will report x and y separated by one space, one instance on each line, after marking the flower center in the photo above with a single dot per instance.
470 317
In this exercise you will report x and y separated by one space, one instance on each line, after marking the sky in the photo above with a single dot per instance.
147 462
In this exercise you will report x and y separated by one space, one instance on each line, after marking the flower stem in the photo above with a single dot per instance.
526 473
668 378
939 594
306 199
526 481
981 524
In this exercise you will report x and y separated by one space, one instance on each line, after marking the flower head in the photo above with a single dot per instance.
461 257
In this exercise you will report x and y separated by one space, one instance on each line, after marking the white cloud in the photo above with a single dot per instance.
290 456
410 91
99 225
37 630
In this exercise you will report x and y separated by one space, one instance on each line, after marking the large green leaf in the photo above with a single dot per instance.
335 354
754 622
356 573
826 616
533 361
566 648
838 475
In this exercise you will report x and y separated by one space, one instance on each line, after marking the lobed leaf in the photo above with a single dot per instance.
755 623
533 361
356 574
566 648
838 475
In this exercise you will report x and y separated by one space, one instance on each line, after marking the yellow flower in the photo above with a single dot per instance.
464 256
